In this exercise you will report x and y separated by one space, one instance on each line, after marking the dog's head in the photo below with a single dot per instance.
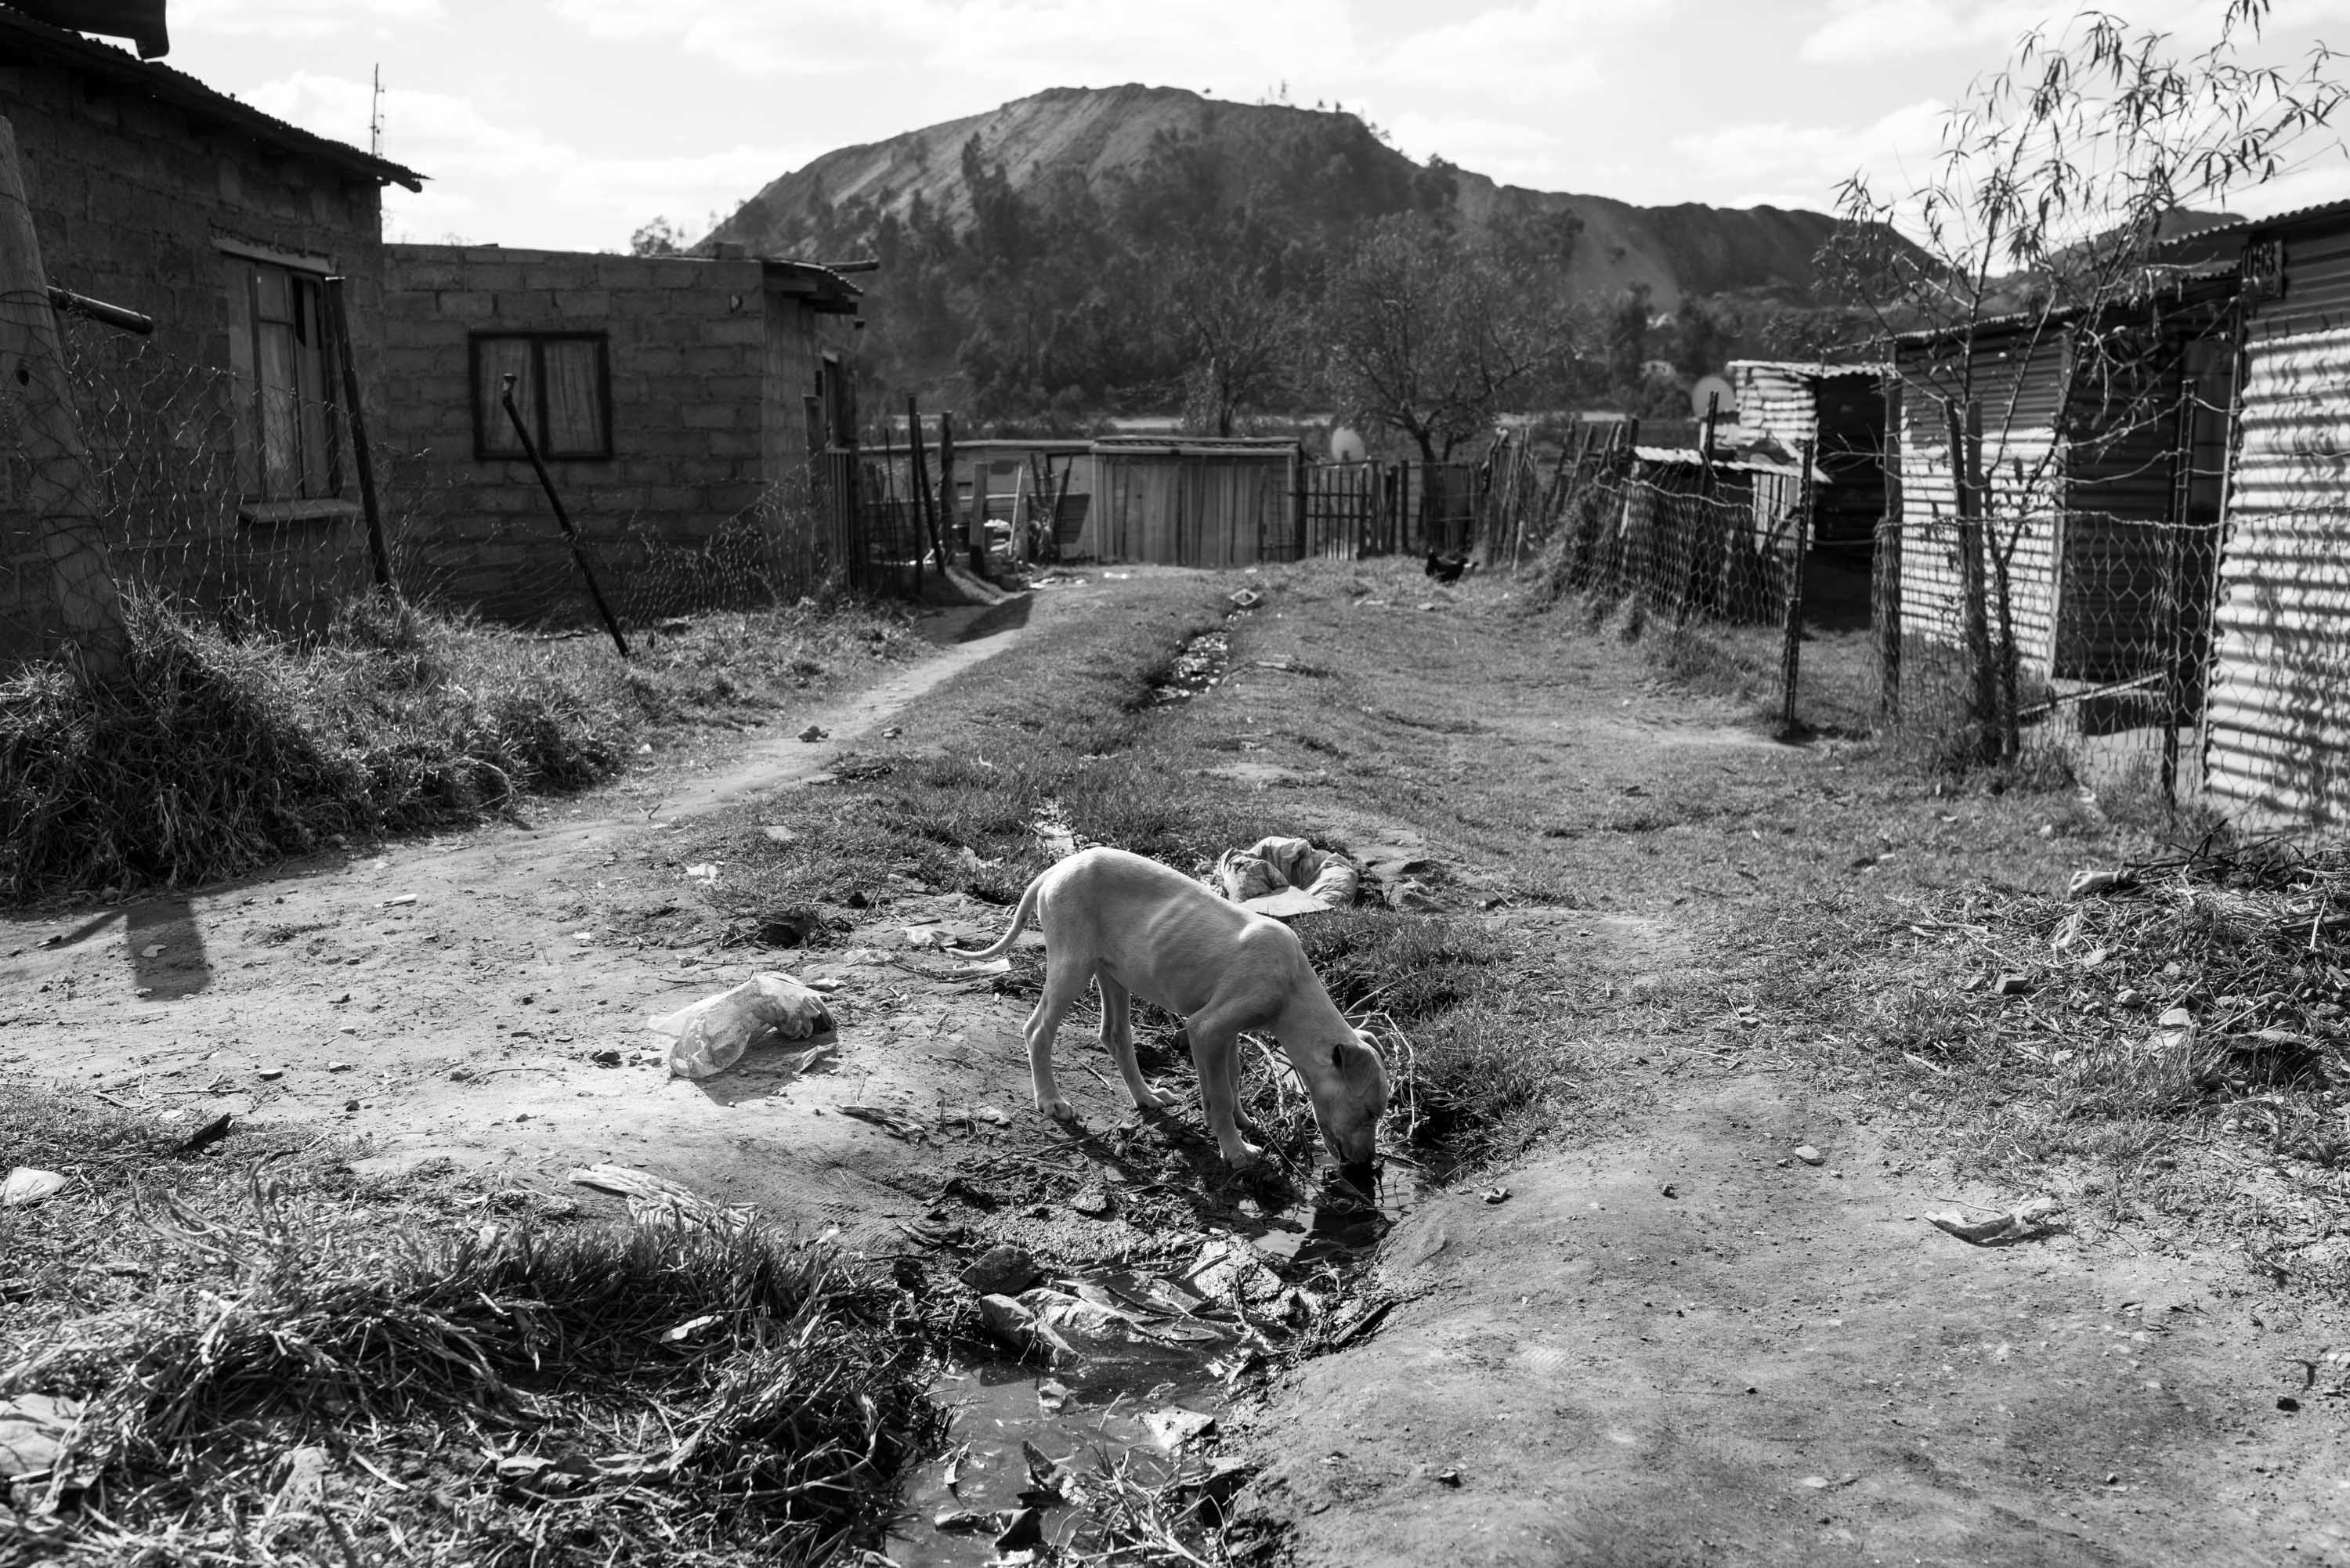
1348 1085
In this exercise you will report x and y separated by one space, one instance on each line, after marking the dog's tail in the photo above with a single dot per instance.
1019 922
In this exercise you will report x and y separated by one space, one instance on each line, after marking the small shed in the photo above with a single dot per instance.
997 476
1195 501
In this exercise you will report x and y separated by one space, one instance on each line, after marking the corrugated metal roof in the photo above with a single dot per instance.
1816 371
2297 217
1688 456
825 290
22 38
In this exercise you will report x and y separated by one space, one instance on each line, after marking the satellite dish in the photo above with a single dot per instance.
1345 445
1708 386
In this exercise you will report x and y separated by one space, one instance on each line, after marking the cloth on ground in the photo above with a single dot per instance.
711 1035
1285 876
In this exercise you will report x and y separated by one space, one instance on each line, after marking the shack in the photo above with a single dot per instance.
220 440
2098 444
2276 727
1195 501
677 401
1840 411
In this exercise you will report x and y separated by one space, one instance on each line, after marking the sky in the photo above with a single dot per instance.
567 124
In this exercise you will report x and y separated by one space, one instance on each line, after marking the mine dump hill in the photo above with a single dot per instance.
1143 155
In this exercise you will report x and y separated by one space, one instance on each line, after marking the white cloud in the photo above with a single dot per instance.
437 134
1862 31
1895 151
294 18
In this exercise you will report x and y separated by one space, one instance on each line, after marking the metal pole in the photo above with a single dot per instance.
578 552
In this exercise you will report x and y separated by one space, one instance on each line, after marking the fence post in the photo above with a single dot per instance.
1885 587
1791 648
2174 595
919 475
338 323
562 517
1965 428
85 610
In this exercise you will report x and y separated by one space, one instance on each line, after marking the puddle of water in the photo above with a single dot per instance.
1166 1360
1199 665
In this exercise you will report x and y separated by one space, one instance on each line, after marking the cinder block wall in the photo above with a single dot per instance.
128 198
687 348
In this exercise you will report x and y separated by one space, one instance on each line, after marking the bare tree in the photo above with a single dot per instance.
2038 231
1431 336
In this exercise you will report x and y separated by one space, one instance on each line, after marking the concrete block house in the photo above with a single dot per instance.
677 401
217 440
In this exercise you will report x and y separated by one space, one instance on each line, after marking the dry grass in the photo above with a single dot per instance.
272 1372
220 756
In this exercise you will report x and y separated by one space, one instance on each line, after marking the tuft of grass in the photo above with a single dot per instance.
489 1393
219 754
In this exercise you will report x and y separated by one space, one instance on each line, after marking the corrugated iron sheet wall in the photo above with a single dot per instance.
2025 469
2277 727
1774 400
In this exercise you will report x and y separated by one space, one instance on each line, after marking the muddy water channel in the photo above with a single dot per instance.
1108 1397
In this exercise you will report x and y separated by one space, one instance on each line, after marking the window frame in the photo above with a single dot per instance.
306 289
485 412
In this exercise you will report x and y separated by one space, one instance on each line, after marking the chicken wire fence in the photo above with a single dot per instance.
236 499
2073 641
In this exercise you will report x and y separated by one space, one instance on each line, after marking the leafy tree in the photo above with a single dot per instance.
1432 337
659 238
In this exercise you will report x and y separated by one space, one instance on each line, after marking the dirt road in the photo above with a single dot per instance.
1673 1341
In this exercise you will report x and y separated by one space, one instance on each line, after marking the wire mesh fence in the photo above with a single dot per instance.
2072 641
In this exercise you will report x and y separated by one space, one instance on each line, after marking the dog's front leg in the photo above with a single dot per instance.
1214 1044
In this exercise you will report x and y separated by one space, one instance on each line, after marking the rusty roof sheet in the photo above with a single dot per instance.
23 38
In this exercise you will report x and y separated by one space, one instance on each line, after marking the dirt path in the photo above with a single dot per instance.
474 996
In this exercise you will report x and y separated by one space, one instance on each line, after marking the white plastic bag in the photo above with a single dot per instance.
712 1036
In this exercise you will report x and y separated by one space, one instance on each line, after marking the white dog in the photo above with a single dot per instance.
1141 930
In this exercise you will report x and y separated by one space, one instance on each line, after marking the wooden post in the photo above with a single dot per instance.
2174 589
579 551
1791 651
339 324
1060 495
1885 569
85 612
921 478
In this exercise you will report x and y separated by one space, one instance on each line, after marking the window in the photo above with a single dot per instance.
293 449
562 388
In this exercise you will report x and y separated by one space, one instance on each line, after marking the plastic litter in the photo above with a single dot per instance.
2015 1225
1282 877
26 1185
655 1200
710 1036
33 1430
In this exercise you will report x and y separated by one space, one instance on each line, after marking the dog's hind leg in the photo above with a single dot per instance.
1064 984
1117 1038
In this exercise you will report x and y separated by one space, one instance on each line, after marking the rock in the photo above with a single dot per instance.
813 734
1173 1427
1809 1154
1002 1271
780 835
1015 1324
1092 1201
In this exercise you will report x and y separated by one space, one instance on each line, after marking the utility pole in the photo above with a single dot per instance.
375 115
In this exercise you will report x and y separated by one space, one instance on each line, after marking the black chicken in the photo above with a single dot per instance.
1448 568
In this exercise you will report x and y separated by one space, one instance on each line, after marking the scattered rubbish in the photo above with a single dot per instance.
396 903
1281 877
646 750
813 734
33 1432
270 1075
153 949
963 1521
1010 1321
908 1129
1026 1531
780 835
2090 884
26 1185
712 1036
1809 1154
892 733
2175 1030
205 1136
1004 1270
655 1200
1173 1427
1246 599
1668 1191
1051 1396
707 871
2017 1224
1116 576
994 1116
1495 1194
2013 983
1448 1477
688 1329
